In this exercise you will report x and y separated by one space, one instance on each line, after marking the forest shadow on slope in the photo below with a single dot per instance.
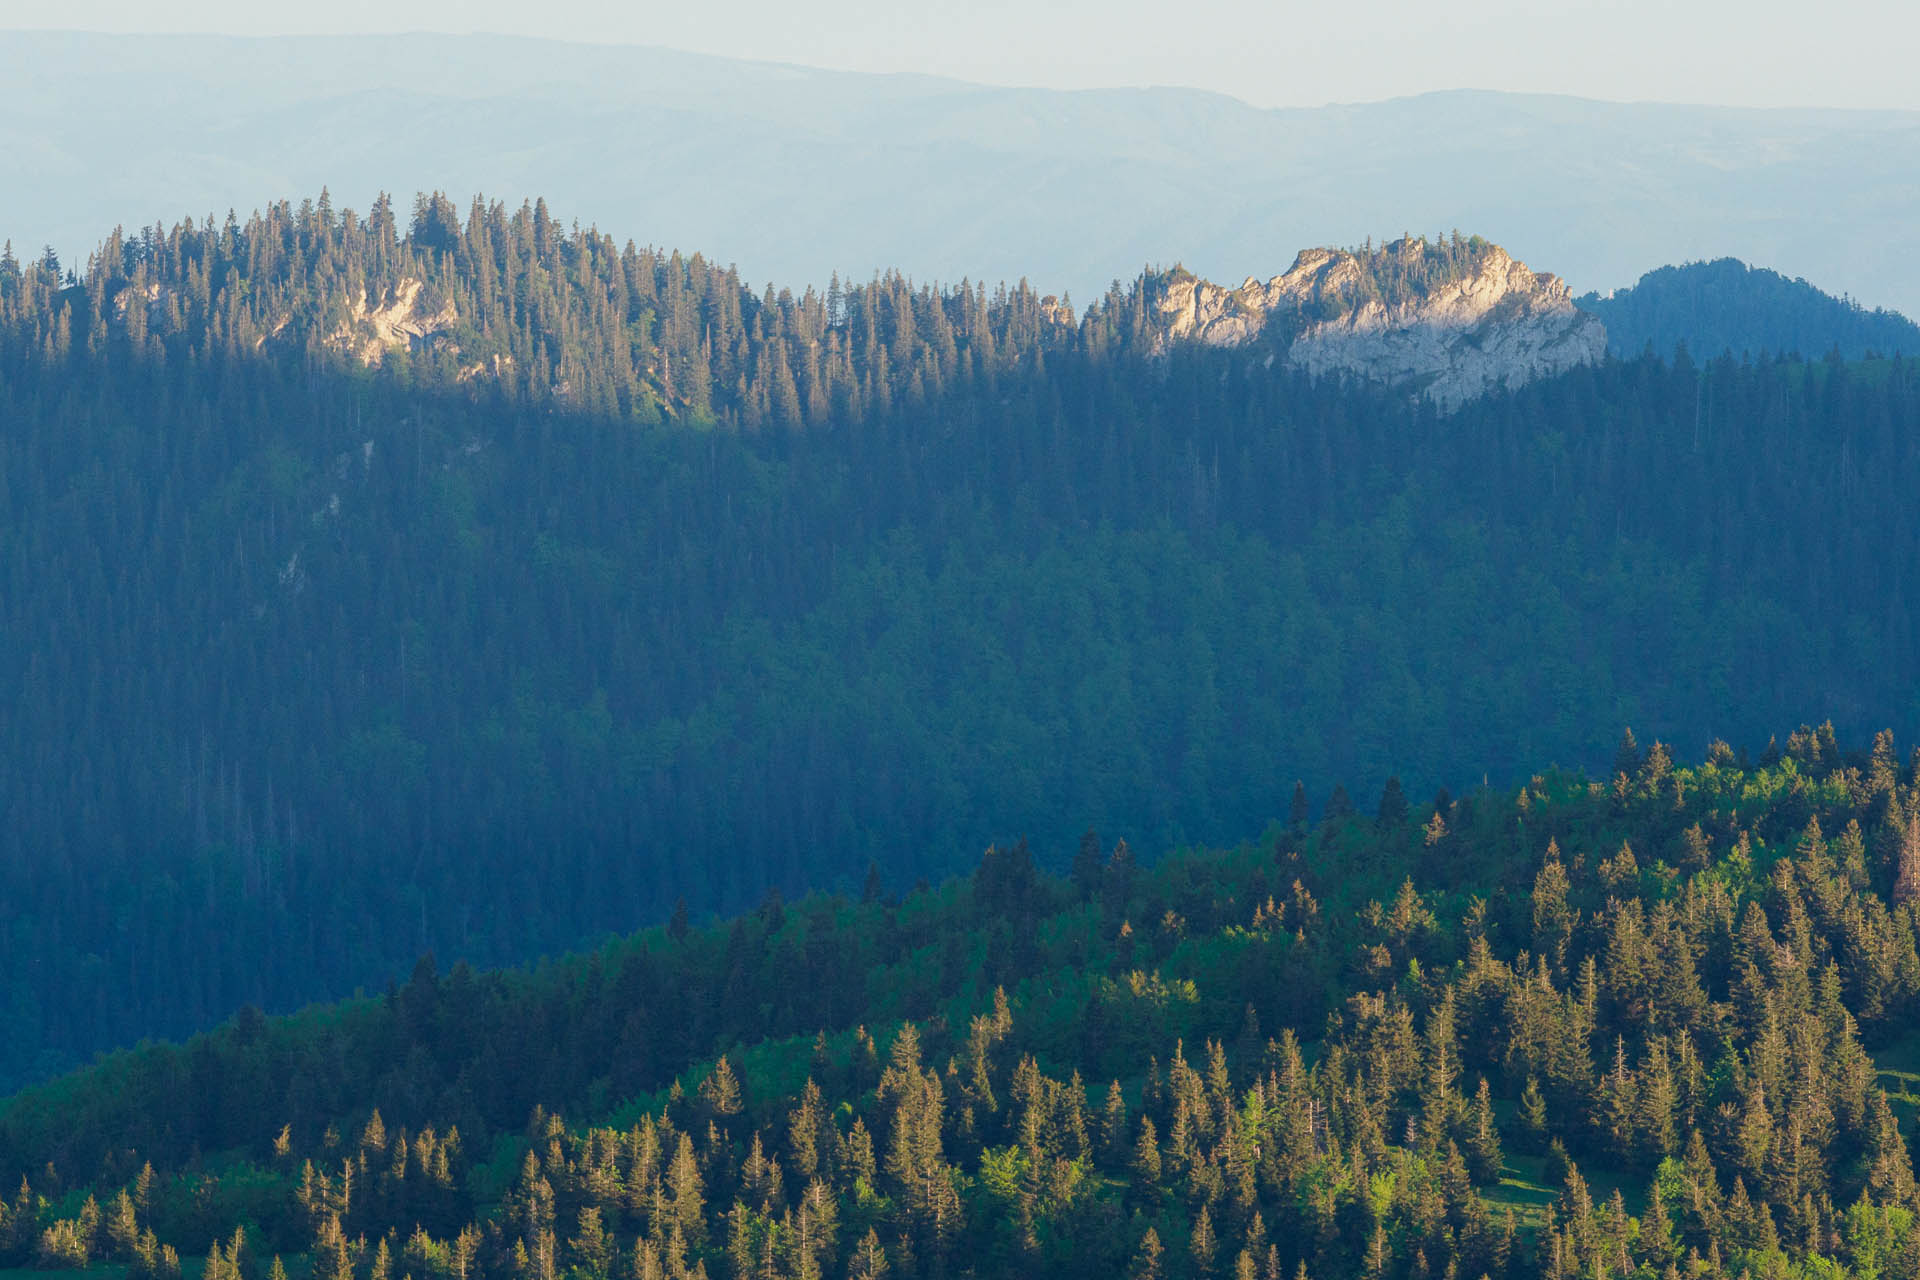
320 668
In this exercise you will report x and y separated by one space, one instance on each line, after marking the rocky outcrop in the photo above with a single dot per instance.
1056 312
1450 330
396 323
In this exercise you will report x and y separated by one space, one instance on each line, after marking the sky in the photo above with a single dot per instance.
1842 53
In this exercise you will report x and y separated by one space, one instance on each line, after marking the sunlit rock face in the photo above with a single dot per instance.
1450 325
396 322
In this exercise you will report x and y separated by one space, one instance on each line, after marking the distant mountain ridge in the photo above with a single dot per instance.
795 173
1726 305
1449 320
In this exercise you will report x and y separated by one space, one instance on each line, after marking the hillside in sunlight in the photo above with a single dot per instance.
1655 1024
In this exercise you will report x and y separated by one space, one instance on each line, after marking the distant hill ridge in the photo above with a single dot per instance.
1726 305
793 173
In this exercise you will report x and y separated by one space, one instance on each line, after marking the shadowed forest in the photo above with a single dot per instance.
480 587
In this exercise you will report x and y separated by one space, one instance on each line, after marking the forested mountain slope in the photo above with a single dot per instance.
1626 1027
1725 305
483 586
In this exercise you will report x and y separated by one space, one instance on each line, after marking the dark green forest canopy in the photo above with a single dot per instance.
1623 1027
1725 305
621 583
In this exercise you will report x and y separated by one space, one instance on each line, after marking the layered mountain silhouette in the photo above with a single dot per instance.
795 174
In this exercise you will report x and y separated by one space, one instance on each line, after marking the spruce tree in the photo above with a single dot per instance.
1147 1264
1626 757
869 1258
1393 804
720 1091
1533 1116
1086 866
1483 1138
689 1192
1146 1157
1113 1124
1202 1244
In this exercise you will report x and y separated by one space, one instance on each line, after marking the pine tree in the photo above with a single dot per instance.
869 1258
1655 1128
1626 758
1113 1125
1553 920
1696 852
1619 1109
803 1131
1533 1116
122 1227
720 1091
1393 804
373 1138
1890 1176
1754 1138
741 1253
1146 1157
1655 771
857 1163
1484 1157
333 1259
689 1193
1379 1254
1883 765
1906 876
1087 862
1202 1244
1147 1264
1850 852
1118 885
591 1247
865 1067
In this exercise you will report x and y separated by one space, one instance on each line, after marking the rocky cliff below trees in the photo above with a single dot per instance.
400 320
1450 319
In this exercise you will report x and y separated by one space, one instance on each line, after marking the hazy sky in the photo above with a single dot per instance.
1843 53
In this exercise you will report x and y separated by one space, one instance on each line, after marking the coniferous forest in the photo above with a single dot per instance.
469 584
1654 1025
1726 305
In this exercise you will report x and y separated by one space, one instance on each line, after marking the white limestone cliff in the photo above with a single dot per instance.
394 322
1495 323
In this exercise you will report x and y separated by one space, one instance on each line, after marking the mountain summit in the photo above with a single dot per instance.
1727 305
1450 319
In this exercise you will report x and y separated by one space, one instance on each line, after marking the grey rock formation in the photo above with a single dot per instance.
1449 334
